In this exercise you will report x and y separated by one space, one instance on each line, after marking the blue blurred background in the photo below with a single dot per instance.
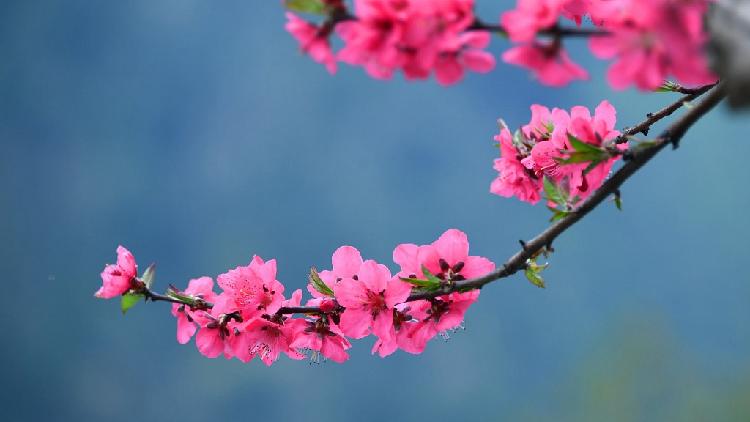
196 134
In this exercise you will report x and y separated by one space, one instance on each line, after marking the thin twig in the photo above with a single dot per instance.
652 118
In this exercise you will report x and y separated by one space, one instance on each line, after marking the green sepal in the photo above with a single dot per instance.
430 282
557 214
518 141
422 284
668 86
315 7
149 276
129 300
171 292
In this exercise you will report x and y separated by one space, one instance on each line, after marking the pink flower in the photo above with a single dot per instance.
465 52
441 314
548 62
606 11
369 298
595 131
293 301
118 278
417 37
548 133
530 16
313 40
652 39
200 288
543 160
220 333
373 39
252 290
576 9
547 125
552 146
400 333
449 260
267 338
322 337
346 261
513 178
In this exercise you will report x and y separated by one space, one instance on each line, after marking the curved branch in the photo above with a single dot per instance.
638 159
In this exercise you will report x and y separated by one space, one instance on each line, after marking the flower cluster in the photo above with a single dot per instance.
251 317
650 40
417 37
572 150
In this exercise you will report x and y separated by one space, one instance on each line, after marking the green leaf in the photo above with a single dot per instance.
129 300
584 153
580 146
668 86
533 276
424 284
533 272
430 281
618 202
171 292
554 193
318 283
583 157
149 275
430 276
316 7
557 214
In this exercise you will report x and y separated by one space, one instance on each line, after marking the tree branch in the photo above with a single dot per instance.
156 297
555 31
636 160
652 118
340 14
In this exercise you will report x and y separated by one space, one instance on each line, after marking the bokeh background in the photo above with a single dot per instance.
196 134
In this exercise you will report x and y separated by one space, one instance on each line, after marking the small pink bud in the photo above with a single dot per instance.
328 305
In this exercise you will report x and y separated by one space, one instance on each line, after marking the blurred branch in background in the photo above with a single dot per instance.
729 26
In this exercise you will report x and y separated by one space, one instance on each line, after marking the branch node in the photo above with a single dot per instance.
667 136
